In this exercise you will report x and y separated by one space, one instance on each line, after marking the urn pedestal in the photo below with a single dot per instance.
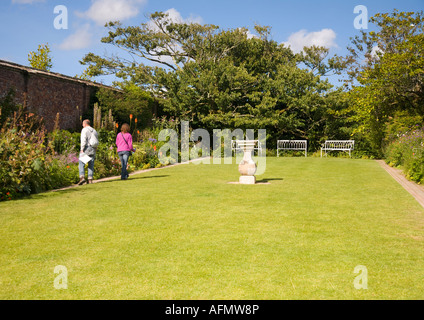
247 166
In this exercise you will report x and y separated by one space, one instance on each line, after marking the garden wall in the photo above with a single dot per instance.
48 93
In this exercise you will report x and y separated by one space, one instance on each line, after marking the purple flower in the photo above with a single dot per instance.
72 158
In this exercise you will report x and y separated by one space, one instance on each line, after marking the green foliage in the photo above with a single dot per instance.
107 161
400 123
64 142
132 100
147 148
225 78
106 122
386 70
7 106
407 151
41 59
23 154
32 160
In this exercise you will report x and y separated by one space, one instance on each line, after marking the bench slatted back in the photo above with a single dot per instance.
339 144
292 145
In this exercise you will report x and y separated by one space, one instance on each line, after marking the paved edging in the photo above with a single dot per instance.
413 188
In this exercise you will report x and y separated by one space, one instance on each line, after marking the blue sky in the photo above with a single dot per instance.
24 24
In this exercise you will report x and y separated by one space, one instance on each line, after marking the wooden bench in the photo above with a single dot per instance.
301 145
257 146
338 145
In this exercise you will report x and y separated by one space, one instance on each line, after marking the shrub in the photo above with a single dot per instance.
23 156
64 142
407 152
8 107
107 160
32 160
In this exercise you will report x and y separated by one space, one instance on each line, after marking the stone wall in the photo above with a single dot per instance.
48 93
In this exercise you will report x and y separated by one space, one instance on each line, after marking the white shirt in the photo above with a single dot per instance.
85 136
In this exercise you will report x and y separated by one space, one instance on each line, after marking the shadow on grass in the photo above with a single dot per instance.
131 178
76 188
268 180
48 193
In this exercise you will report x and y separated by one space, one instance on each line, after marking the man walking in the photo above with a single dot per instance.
89 143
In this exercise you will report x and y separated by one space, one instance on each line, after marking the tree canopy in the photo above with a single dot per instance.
387 73
223 78
41 59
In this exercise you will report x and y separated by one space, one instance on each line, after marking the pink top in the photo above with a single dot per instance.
121 144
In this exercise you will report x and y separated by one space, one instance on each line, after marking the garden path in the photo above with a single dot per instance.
118 177
416 190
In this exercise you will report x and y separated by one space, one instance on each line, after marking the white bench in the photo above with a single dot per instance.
301 145
338 145
257 146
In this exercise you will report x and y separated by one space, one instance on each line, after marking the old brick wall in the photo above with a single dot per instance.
12 78
47 93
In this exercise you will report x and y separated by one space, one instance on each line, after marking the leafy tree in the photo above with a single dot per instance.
131 100
41 59
386 73
223 78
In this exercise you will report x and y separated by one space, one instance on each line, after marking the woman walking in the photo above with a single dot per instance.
125 146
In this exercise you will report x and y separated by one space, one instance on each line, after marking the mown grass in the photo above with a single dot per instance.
185 233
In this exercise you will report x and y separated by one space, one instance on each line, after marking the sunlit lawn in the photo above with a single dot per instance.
185 233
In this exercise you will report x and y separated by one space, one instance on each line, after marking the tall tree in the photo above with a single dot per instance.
222 78
386 72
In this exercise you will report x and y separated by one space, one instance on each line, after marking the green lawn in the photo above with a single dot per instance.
185 233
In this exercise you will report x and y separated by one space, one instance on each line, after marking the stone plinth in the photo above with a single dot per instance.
247 179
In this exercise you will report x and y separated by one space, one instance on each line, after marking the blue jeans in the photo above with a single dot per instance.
123 156
90 170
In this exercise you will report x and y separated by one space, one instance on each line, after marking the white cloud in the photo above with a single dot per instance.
249 34
298 40
81 39
27 1
103 11
176 17
376 50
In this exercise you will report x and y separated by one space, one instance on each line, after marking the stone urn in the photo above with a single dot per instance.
247 166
